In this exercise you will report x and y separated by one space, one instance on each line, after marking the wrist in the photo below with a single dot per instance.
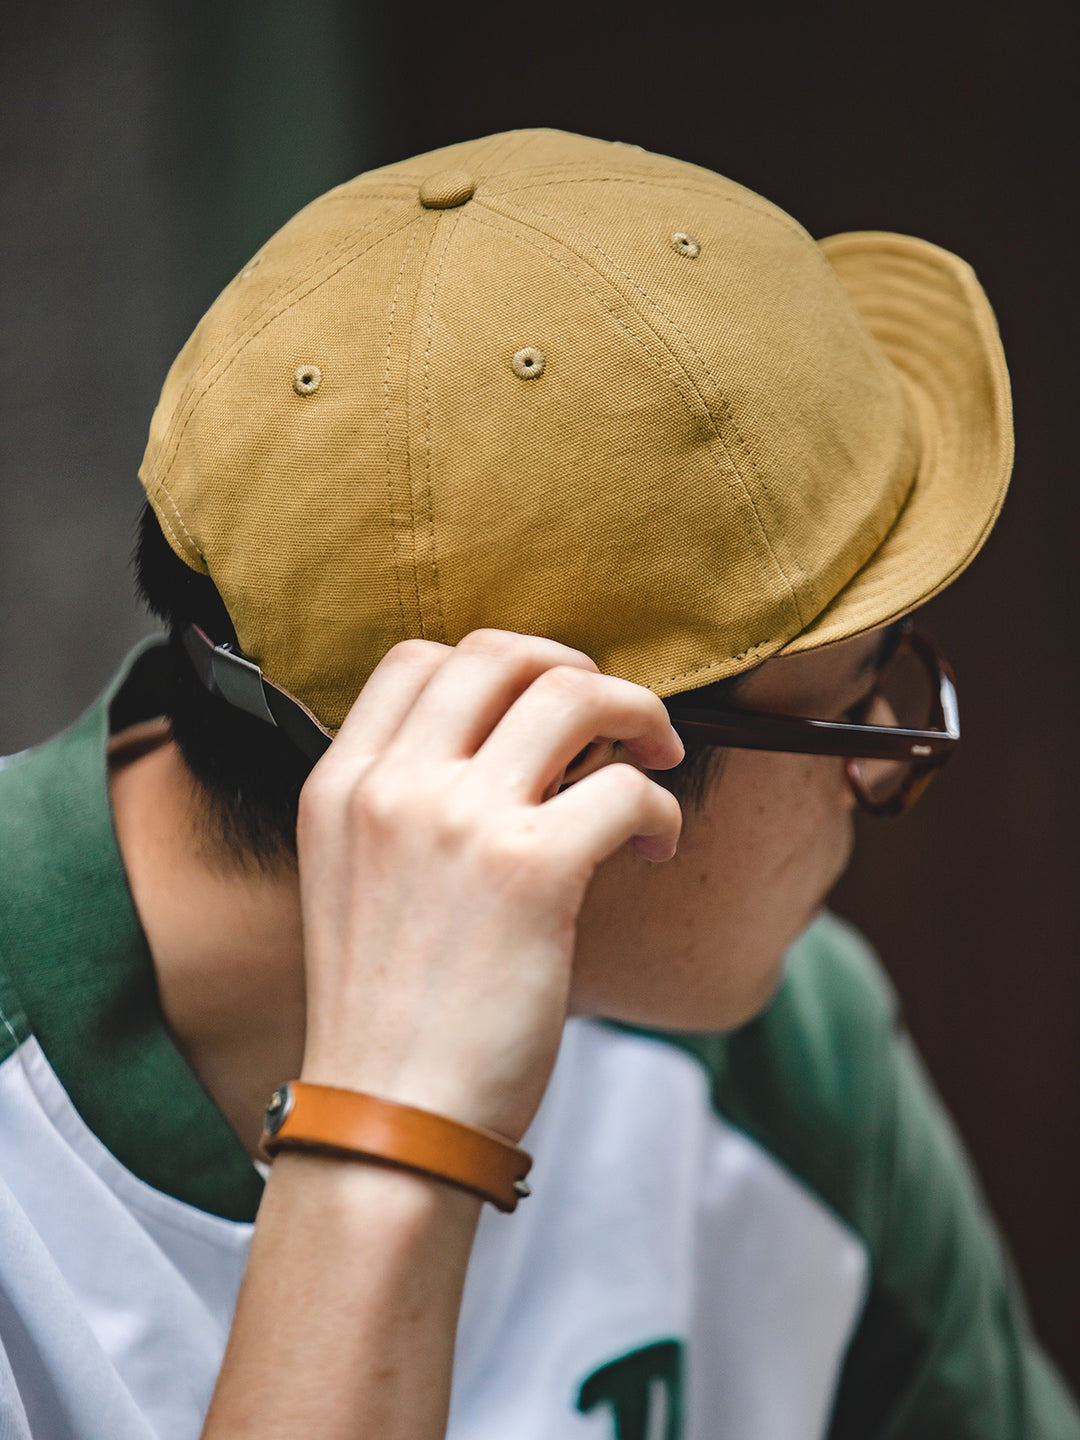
369 1129
451 1089
343 1199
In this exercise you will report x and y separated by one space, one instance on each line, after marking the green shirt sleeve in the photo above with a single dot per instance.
829 1082
944 1348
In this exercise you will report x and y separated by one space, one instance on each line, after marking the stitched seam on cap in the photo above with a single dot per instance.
763 212
721 399
196 399
700 669
352 193
293 290
584 284
512 149
540 177
408 438
503 145
441 634
931 589
287 283
192 547
683 174
413 178
389 458
680 375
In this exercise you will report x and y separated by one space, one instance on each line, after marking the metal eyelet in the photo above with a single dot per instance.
685 244
307 379
528 364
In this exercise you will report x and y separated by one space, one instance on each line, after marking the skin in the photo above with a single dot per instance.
452 905
696 942
708 932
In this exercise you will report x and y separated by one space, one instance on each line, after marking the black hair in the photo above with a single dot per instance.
249 774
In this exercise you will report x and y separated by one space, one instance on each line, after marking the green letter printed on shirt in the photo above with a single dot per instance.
643 1390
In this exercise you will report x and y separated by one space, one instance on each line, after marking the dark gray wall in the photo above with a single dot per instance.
99 252
147 149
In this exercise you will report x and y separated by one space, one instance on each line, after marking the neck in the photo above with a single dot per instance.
225 938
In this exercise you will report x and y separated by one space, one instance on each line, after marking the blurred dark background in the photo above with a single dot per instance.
148 149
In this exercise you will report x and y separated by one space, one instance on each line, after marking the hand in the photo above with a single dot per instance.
442 870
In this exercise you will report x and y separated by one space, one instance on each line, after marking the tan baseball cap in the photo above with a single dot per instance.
571 388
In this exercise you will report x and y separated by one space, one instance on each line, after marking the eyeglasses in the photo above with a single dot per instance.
889 763
893 744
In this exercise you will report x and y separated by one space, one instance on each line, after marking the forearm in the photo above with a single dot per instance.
441 874
346 1320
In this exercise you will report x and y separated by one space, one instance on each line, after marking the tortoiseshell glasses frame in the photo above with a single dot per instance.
917 754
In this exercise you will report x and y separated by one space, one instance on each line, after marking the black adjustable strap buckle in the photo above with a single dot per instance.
231 676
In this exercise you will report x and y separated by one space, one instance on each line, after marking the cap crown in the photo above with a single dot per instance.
713 446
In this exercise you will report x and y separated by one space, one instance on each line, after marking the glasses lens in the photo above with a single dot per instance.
904 697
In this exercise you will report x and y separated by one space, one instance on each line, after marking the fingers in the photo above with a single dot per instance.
374 719
592 819
468 695
561 713
391 691
518 708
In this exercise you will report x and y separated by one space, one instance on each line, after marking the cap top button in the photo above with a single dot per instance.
445 189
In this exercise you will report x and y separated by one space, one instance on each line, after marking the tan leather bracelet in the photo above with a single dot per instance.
348 1123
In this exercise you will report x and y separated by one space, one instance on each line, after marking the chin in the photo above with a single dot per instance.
733 1011
707 1002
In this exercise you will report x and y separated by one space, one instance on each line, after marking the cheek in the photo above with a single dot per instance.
698 942
774 819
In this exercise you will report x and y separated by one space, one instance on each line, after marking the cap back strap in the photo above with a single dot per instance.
232 677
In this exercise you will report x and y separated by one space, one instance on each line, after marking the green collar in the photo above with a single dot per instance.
73 951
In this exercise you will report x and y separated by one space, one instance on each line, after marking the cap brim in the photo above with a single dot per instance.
930 316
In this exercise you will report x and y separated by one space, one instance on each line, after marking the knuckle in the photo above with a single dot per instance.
641 793
414 652
566 656
374 804
654 704
529 649
489 641
631 780
567 680
395 800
